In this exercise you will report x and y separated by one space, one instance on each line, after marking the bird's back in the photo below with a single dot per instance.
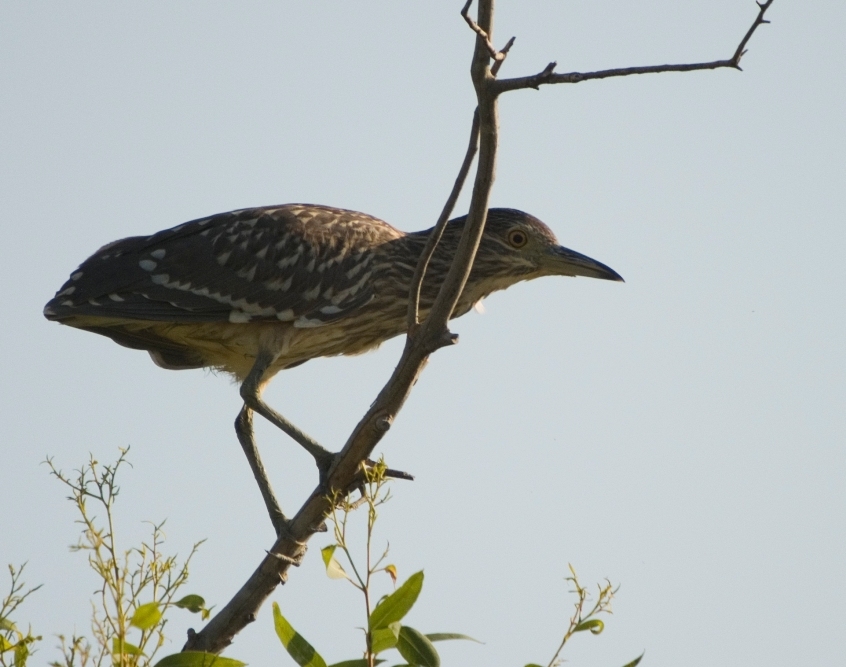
299 264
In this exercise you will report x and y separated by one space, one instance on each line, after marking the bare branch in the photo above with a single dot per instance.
424 338
548 77
498 56
429 336
502 54
437 232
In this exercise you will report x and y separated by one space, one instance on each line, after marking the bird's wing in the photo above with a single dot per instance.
304 264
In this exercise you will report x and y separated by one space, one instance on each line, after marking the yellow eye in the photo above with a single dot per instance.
517 238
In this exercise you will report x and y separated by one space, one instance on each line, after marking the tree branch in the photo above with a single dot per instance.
498 56
547 76
429 336
413 317
423 338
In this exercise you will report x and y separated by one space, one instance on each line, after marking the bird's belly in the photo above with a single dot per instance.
233 347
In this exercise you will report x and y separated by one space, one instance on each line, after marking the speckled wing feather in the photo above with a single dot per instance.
297 263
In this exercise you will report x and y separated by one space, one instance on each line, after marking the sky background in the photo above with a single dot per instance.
681 434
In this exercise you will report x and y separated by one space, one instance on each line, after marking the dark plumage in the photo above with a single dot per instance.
319 281
258 290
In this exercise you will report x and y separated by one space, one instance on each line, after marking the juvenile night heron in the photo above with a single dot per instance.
258 290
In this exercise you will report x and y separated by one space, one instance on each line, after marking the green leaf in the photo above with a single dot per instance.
5 645
198 659
7 625
443 636
636 661
333 567
326 553
193 603
21 654
414 647
395 606
124 648
533 664
146 616
385 638
595 626
298 648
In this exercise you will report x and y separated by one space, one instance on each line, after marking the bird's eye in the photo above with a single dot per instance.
517 238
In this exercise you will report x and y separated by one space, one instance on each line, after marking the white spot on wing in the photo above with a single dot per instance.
158 254
247 274
285 315
223 257
65 292
238 317
116 297
76 276
160 279
147 264
279 285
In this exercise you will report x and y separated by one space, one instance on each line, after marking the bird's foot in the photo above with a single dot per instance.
282 526
326 462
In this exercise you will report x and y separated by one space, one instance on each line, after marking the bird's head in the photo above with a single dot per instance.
517 246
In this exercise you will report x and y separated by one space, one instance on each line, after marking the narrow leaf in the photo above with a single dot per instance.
193 603
298 648
636 661
395 606
442 636
6 624
334 570
146 616
533 664
5 645
198 659
124 648
595 626
414 647
326 553
385 638
21 654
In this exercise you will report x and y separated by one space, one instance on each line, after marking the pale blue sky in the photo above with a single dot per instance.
681 434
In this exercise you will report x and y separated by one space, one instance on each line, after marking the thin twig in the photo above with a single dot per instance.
498 56
501 56
547 76
437 232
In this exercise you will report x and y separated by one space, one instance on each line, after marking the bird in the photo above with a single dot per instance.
254 291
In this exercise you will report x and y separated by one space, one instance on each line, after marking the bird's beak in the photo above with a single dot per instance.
561 261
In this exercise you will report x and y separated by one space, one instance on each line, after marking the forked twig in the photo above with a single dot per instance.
498 56
547 76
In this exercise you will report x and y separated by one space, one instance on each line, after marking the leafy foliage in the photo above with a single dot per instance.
383 629
15 645
136 586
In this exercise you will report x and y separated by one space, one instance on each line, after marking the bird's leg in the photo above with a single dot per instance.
251 393
244 430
